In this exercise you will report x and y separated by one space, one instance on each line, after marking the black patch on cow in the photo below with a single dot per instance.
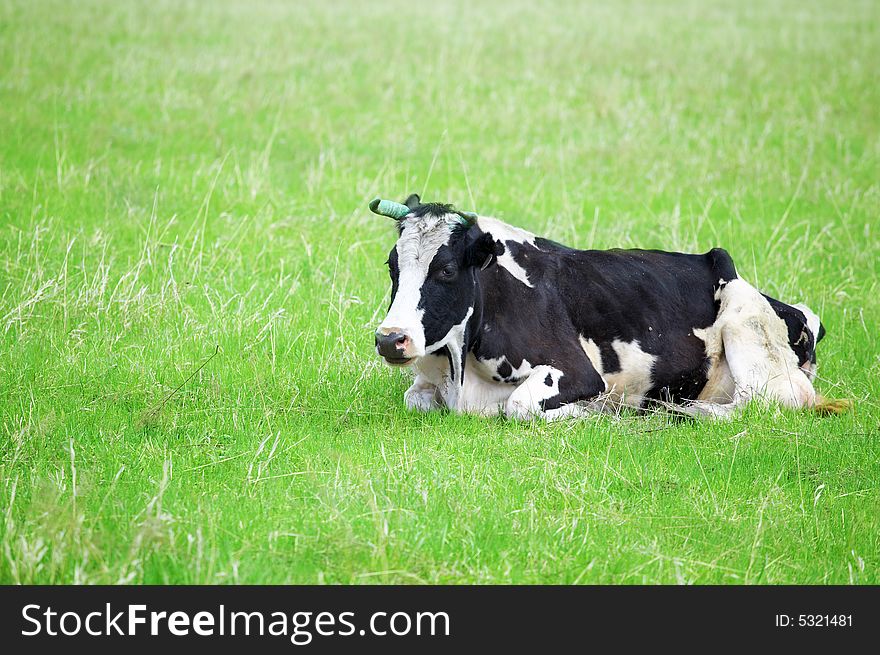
420 209
448 291
548 380
445 351
688 386
721 263
580 381
610 360
483 250
505 370
394 273
800 337
432 209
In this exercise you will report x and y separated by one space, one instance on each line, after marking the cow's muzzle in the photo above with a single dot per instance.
393 347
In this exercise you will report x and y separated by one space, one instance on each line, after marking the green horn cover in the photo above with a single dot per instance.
389 208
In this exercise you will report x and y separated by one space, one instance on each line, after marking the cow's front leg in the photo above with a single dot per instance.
528 399
551 393
422 395
426 393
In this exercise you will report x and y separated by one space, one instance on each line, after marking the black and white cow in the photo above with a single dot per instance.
497 320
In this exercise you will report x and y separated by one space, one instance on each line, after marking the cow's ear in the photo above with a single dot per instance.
484 251
413 201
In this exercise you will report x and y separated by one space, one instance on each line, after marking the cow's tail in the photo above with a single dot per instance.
832 406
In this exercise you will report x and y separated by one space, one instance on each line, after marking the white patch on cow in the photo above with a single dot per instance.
753 342
757 350
719 387
593 354
417 246
484 396
433 368
454 338
503 232
433 372
812 319
454 342
813 325
421 396
525 401
629 385
424 394
488 367
481 394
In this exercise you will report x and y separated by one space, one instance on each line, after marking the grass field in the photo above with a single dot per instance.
190 280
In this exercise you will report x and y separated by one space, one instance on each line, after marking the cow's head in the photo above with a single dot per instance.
433 269
804 344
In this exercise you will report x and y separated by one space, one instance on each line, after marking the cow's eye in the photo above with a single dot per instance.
447 272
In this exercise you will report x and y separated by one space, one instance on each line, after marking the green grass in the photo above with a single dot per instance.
181 177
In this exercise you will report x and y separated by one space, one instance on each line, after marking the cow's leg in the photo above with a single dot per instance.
551 393
758 352
760 363
422 395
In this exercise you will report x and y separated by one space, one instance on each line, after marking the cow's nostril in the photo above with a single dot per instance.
392 346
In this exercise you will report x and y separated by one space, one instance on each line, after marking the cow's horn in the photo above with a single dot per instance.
389 208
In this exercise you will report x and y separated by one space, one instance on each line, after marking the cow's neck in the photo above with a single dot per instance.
458 343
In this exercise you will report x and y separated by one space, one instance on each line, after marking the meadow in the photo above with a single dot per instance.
190 280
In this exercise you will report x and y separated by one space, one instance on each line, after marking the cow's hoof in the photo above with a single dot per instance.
421 400
519 411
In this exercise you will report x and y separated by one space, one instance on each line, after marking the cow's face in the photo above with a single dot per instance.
433 268
805 345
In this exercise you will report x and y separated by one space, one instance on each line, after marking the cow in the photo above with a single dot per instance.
495 320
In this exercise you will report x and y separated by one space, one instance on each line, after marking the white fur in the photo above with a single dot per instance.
525 401
751 356
503 232
593 354
424 395
417 246
480 394
629 385
454 342
812 319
